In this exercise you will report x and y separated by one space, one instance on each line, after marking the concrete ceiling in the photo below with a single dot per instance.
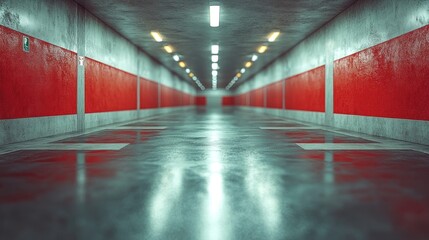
244 25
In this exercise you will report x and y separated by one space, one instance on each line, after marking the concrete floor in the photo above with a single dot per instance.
214 175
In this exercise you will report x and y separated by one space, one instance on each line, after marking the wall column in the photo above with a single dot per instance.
80 30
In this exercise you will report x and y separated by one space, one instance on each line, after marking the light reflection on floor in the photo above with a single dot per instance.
214 175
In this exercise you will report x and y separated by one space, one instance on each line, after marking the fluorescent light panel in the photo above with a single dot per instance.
215 66
168 48
214 16
273 36
262 49
176 58
215 49
215 58
254 57
157 36
214 73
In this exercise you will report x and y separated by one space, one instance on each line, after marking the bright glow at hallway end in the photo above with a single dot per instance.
214 16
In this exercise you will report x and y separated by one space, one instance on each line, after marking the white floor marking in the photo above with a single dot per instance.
137 128
352 146
77 146
288 128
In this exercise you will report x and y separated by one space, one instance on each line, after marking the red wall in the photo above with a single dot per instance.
388 80
171 97
108 89
228 101
39 83
306 91
275 95
148 94
200 100
257 97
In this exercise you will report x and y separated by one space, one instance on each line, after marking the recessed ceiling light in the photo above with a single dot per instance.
248 64
168 48
243 70
157 36
188 70
182 64
176 58
215 58
214 16
214 73
215 49
215 66
254 57
238 75
191 75
262 49
273 36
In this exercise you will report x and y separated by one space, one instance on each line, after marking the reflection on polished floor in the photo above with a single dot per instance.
214 175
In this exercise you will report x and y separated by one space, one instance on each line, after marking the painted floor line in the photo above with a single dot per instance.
137 128
77 146
288 128
351 146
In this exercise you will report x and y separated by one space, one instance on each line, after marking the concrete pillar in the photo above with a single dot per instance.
80 31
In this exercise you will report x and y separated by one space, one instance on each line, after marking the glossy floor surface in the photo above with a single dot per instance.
213 175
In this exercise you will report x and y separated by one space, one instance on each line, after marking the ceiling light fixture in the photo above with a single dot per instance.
215 66
168 48
254 57
157 36
243 70
215 58
214 16
238 75
215 49
214 73
191 75
182 64
176 58
273 36
262 49
248 64
187 70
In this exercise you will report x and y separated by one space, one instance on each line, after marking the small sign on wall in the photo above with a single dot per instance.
26 44
81 60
